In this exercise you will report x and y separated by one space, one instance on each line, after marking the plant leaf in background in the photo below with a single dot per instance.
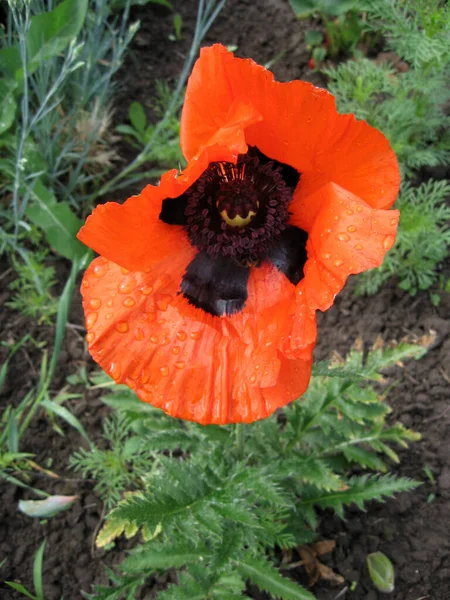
7 103
44 509
381 572
57 221
332 8
137 117
49 34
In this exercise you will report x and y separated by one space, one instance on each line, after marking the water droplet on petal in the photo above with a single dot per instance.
154 339
91 319
393 221
90 337
85 283
253 378
129 302
122 327
342 237
359 208
196 335
358 247
326 256
351 228
163 301
180 364
95 303
109 303
139 334
164 371
147 290
181 335
114 370
124 271
145 376
349 212
100 270
338 262
127 285
108 316
388 242
176 350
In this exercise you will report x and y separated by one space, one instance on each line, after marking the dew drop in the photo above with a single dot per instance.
253 378
114 370
90 337
180 364
342 237
164 371
163 301
359 208
147 290
109 303
338 262
108 316
122 327
95 303
145 376
351 228
165 341
100 271
139 334
91 319
388 242
154 339
393 221
127 285
181 335
129 302
349 212
85 283
176 350
124 271
327 256
195 335
358 247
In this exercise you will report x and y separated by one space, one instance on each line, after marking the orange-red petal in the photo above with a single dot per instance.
348 236
185 361
298 125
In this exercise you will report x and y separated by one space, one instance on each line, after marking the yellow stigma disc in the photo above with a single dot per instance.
237 221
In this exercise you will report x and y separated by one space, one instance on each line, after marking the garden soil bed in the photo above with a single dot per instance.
413 530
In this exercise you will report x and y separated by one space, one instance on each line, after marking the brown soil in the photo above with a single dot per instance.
411 530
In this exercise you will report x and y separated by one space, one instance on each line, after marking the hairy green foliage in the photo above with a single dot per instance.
32 288
120 466
216 514
409 107
423 240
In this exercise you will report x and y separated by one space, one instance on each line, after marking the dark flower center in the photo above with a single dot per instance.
238 210
237 216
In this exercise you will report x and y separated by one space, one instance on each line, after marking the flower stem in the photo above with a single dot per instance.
240 440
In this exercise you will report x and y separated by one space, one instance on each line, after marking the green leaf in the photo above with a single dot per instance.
58 222
7 104
19 588
136 114
381 572
360 490
48 34
13 434
37 571
313 37
163 556
303 8
65 414
267 578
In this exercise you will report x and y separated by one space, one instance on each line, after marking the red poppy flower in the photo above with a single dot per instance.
203 299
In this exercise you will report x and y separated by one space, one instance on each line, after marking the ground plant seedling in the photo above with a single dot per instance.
197 399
